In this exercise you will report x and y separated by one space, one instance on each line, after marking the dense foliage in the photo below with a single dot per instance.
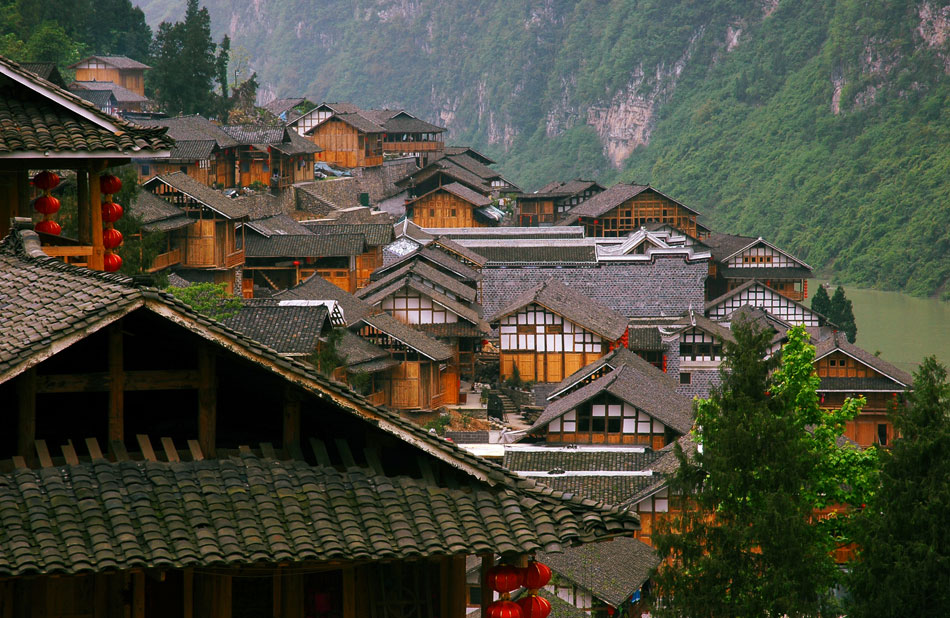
904 532
747 135
748 542
838 309
210 299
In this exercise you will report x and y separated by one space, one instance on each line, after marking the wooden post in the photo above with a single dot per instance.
488 561
23 193
291 419
349 592
457 587
188 593
84 214
116 385
96 260
26 407
292 596
138 594
207 400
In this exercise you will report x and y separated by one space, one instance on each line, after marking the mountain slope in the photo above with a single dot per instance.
819 124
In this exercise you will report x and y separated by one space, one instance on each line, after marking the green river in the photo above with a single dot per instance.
903 328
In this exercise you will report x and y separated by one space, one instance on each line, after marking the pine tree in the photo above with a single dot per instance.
904 564
821 302
747 543
841 313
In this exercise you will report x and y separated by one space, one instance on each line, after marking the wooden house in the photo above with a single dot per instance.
210 244
376 235
696 343
552 201
442 261
754 293
463 168
347 139
737 259
408 136
274 157
57 130
620 399
106 95
452 205
202 150
154 462
552 331
119 70
625 208
848 371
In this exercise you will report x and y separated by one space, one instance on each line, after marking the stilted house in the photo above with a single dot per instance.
346 139
274 157
119 70
202 150
452 205
737 259
625 208
462 168
57 130
209 247
156 462
441 260
848 371
552 331
375 236
552 201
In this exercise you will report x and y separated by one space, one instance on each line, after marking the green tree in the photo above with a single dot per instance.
327 356
821 302
904 533
841 313
748 543
210 299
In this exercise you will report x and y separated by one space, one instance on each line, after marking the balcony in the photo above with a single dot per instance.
234 259
164 260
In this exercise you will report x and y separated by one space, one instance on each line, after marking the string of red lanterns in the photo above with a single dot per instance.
46 204
109 185
506 578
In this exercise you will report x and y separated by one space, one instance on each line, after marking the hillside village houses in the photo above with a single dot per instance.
163 461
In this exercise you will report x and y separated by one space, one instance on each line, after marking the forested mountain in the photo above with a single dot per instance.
820 124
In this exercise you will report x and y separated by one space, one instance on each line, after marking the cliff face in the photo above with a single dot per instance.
820 124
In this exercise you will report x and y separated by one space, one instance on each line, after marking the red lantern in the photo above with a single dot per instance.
109 184
534 606
46 204
111 238
45 181
505 578
48 226
296 262
504 609
112 262
536 575
611 611
111 212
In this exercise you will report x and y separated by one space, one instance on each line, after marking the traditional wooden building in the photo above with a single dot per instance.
57 130
452 205
552 331
375 234
408 136
106 95
756 294
552 201
348 139
737 259
209 246
119 70
462 168
625 208
203 150
848 371
441 260
157 463
275 157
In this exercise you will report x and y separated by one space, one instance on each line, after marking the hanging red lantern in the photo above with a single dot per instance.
536 575
111 212
611 611
46 204
504 609
111 262
45 181
505 578
296 262
111 238
109 184
534 606
48 226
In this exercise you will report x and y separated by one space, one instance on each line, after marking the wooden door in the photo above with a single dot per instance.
405 385
450 385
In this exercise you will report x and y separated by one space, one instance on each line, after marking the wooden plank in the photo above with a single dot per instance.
118 449
295 452
138 594
146 446
26 417
207 401
195 449
343 447
42 451
188 593
349 592
163 379
19 462
92 445
372 458
69 453
171 453
95 211
320 452
116 384
267 450
83 214
244 449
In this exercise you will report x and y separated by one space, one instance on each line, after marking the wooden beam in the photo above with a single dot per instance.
26 418
153 380
69 453
349 592
207 400
92 445
488 561
116 384
138 594
195 449
171 453
84 215
320 452
95 215
291 418
42 452
146 446
188 593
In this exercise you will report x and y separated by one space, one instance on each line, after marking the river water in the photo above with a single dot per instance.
903 328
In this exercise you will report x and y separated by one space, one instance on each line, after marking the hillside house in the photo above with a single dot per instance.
274 157
375 235
452 205
552 201
408 136
119 70
347 139
463 168
202 150
738 259
110 98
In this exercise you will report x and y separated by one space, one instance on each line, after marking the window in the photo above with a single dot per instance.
266 166
882 434
686 378
145 170
245 167
453 212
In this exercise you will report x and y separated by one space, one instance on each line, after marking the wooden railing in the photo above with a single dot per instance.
164 260
234 259
71 254
436 401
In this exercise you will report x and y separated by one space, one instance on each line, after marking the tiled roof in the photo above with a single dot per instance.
512 254
621 357
608 200
468 437
424 271
121 94
193 128
289 330
473 165
303 245
645 338
355 120
192 150
119 62
103 515
286 141
609 489
413 338
838 342
316 287
100 98
693 319
31 121
571 187
201 193
859 385
559 607
453 329
460 191
471 152
450 170
723 246
279 106
612 571
465 234
357 350
156 214
569 304
47 70
456 250
376 234
436 257
277 225
402 122
584 459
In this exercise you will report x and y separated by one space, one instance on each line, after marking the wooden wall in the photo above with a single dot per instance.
442 209
366 263
415 385
608 420
638 210
345 146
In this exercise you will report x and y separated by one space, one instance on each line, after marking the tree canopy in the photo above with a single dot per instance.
748 542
